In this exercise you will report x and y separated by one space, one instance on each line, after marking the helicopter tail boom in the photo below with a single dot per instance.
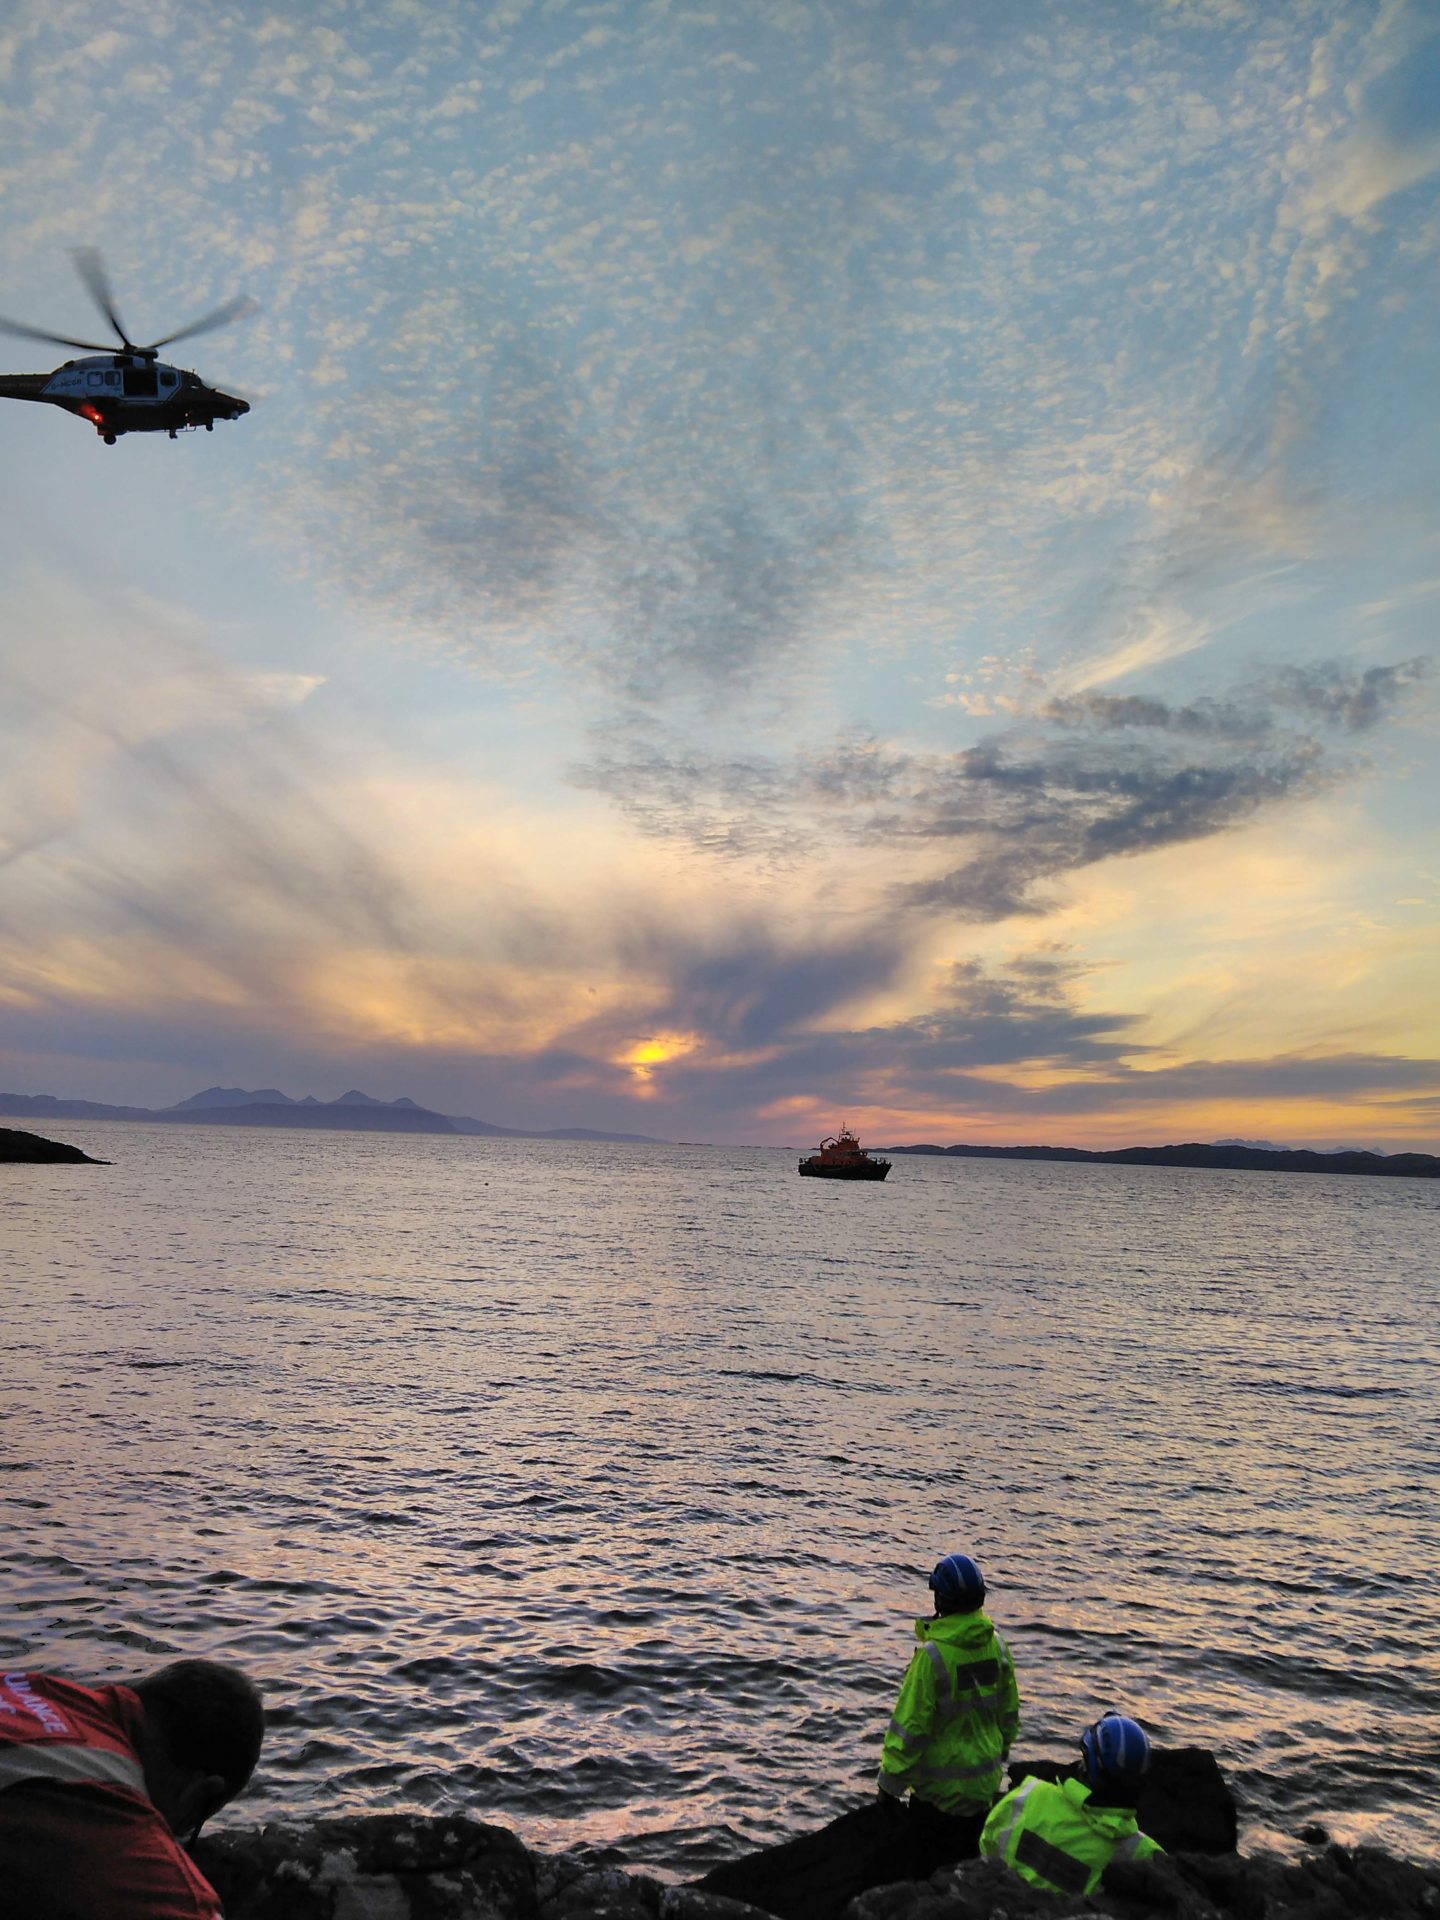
23 386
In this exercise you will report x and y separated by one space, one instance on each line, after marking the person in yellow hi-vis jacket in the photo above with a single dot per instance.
1061 1835
955 1720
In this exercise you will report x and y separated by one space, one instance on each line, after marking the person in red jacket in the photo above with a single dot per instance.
99 1787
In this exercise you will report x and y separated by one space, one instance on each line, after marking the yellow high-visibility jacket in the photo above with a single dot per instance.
958 1712
1054 1836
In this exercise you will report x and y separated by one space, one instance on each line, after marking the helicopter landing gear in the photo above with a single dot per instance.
109 439
172 433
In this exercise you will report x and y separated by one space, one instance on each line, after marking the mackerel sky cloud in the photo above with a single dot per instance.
790 561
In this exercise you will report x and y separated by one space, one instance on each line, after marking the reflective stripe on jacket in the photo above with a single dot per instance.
957 1715
1054 1836
91 1766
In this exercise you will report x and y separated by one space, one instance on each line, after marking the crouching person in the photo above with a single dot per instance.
103 1788
1062 1835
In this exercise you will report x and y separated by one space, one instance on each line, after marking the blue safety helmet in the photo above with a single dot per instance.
1116 1750
958 1584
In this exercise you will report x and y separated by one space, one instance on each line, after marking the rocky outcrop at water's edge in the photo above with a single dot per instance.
36 1150
396 1867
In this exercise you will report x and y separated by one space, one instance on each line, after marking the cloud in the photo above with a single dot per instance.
285 689
1154 638
1225 720
1354 701
148 789
616 547
1088 778
745 984
1395 93
1040 819
1142 775
1350 700
1372 168
1013 1046
754 1019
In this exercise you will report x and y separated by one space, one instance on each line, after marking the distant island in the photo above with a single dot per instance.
353 1112
1229 1153
34 1150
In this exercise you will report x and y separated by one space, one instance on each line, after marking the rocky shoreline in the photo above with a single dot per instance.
447 1867
399 1867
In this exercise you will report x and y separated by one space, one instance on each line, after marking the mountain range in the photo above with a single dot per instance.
268 1107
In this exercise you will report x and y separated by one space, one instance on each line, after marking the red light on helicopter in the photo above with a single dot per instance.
93 415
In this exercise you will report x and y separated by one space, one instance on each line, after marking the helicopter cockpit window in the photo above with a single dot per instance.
112 379
95 379
167 379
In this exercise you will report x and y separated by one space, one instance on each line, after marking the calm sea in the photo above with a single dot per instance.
592 1489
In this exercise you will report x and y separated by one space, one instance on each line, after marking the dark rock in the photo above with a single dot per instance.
569 1887
688 1903
1186 1805
978 1890
1187 1886
397 1867
1179 1887
34 1148
388 1864
815 1874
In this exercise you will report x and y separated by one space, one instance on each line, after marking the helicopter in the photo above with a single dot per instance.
129 390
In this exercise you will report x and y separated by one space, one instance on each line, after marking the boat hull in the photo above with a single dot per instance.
861 1170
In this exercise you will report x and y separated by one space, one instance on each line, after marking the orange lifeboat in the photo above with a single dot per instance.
841 1157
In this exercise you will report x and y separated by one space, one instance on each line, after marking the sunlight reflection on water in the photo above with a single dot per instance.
592 1488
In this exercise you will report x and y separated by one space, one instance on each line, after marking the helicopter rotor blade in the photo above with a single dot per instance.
91 269
22 332
236 309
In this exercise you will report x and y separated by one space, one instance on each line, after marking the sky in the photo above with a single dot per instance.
866 560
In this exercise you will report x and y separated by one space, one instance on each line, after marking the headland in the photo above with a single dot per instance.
34 1149
1195 1153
